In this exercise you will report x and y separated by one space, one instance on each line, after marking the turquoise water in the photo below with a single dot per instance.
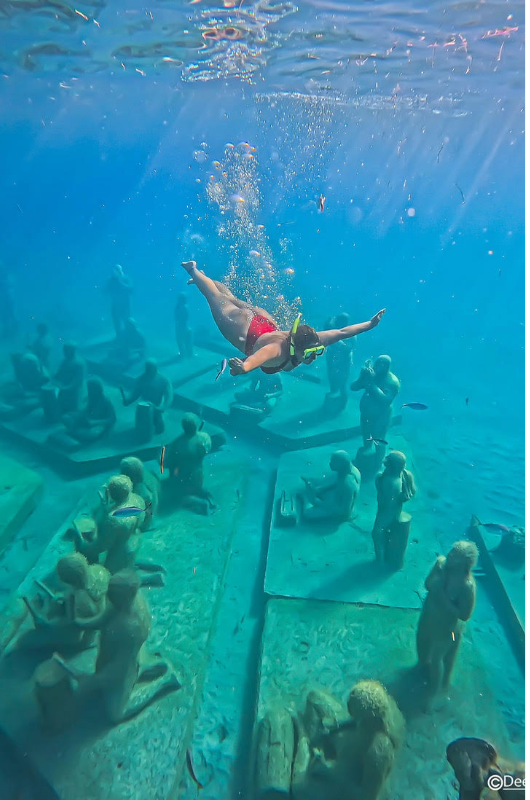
148 135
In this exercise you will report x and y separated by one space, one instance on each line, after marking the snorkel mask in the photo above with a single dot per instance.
309 351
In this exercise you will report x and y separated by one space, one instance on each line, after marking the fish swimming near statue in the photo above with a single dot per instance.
415 406
223 368
189 764
376 441
130 511
162 454
495 527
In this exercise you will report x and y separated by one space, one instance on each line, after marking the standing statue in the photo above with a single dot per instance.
333 498
451 595
184 460
336 754
128 678
156 394
119 288
182 329
395 486
380 389
338 365
41 345
96 419
145 484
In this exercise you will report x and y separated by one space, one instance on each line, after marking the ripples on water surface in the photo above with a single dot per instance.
418 51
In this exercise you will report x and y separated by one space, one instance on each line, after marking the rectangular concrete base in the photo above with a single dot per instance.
20 491
145 757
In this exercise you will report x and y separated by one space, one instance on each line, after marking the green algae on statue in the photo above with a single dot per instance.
395 486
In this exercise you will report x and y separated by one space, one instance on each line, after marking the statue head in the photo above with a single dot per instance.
340 462
123 588
151 368
382 365
342 320
191 423
94 388
43 329
133 468
368 704
69 350
73 570
462 557
119 488
395 461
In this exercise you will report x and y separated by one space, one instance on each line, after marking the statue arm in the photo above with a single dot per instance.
466 601
388 394
135 393
435 575
95 622
377 765
364 379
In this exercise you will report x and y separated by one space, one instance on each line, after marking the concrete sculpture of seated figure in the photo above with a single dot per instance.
395 486
184 460
337 754
96 419
25 395
262 395
333 498
380 387
145 484
62 618
450 601
69 379
128 678
155 393
41 345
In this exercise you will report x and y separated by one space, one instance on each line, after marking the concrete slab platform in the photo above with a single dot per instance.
55 446
310 645
20 491
146 756
330 562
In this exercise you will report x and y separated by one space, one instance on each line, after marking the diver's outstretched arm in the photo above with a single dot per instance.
337 335
264 354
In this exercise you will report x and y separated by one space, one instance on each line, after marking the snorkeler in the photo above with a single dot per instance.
254 332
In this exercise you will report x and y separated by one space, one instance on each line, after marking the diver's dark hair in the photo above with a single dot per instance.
306 336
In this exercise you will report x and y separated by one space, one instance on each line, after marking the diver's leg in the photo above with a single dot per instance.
232 320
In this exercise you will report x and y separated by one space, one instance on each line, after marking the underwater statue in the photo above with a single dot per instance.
25 395
182 329
97 417
261 397
145 484
128 678
129 346
475 761
155 393
66 384
450 601
41 345
338 365
63 618
119 288
184 460
380 387
117 530
337 753
333 498
395 486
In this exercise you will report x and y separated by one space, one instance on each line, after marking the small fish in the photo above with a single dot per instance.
321 202
162 454
223 367
376 441
415 406
467 401
130 511
495 527
189 764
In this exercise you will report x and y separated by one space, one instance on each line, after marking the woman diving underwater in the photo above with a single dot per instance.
253 331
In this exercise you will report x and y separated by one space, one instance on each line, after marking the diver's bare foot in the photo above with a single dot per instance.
190 267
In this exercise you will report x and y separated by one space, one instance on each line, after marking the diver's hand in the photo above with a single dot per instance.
376 319
237 366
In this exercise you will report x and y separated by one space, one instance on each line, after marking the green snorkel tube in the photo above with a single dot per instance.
309 351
